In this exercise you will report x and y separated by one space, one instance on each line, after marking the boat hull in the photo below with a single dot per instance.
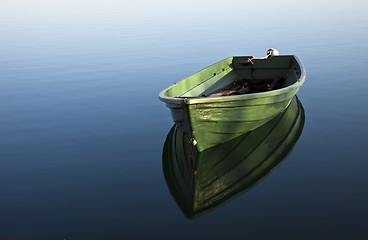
203 181
213 120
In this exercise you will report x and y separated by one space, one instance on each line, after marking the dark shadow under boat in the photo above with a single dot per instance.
202 181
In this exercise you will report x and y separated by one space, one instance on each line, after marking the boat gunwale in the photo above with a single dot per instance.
242 97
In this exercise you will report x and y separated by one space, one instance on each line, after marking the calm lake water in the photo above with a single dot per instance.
82 130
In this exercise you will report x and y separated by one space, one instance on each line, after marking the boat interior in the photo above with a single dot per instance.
239 75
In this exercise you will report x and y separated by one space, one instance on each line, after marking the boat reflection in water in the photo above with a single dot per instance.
202 181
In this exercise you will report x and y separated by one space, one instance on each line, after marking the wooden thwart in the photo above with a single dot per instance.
244 86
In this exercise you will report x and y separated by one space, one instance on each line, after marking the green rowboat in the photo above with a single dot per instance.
203 181
209 118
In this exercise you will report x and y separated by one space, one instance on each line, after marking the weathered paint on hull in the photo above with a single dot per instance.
216 123
202 181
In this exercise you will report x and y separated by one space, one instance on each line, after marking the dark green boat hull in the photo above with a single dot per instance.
202 181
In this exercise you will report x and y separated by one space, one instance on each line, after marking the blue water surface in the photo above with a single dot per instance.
82 129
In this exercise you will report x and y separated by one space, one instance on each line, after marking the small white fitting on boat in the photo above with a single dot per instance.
272 52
